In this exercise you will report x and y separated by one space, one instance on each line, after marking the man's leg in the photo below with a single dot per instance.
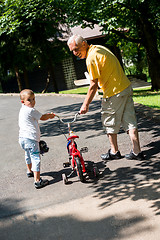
136 153
112 124
133 133
113 142
113 153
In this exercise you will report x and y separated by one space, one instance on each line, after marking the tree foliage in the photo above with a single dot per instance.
136 21
25 29
26 26
116 16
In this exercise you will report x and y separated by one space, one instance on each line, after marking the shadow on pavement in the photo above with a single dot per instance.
138 182
135 183
93 122
84 122
70 227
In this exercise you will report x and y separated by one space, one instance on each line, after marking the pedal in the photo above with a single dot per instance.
66 164
84 149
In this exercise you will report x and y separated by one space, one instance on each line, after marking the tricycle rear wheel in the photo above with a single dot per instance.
64 178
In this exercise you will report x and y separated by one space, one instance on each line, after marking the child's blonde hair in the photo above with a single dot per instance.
25 92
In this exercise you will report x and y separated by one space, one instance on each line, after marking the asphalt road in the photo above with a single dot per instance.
122 204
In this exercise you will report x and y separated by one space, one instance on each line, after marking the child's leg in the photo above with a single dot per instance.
33 153
28 161
35 158
24 145
36 176
29 167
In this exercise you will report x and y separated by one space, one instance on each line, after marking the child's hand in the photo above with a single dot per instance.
47 116
52 115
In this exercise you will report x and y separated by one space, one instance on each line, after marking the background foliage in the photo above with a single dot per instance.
31 32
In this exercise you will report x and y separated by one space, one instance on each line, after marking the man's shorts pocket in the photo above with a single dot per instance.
108 119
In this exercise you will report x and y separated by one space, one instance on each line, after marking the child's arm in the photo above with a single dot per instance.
47 116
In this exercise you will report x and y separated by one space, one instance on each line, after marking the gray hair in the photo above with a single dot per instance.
77 38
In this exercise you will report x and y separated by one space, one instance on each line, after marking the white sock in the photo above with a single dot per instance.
113 153
135 153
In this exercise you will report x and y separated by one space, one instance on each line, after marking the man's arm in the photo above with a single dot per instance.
90 95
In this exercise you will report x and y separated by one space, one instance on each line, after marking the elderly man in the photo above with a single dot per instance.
117 105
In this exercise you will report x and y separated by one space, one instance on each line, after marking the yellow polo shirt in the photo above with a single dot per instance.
103 65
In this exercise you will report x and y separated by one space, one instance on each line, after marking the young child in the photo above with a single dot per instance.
29 135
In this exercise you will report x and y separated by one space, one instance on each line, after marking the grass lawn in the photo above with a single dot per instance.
147 97
140 95
81 90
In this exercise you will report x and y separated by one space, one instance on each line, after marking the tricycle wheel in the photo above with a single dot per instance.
95 171
79 169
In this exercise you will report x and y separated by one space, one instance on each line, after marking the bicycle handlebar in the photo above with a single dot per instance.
61 120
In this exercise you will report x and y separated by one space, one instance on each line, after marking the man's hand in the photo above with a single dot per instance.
84 109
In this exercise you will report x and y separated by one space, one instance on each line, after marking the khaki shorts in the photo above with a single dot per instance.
119 111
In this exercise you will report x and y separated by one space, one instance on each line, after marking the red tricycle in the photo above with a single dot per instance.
76 160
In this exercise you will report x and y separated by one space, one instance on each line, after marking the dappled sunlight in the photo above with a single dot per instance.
140 181
78 220
121 204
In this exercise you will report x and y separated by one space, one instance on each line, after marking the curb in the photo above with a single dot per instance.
150 113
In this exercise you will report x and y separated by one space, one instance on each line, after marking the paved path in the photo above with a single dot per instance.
122 204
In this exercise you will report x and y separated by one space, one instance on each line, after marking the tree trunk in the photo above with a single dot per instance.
139 67
47 83
150 43
154 71
18 79
153 58
26 78
51 71
118 55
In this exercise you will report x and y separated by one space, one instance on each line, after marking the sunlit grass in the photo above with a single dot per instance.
82 90
147 97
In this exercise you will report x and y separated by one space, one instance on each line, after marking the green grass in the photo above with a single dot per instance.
140 95
147 97
82 90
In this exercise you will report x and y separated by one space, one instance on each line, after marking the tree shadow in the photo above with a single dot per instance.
92 122
136 180
139 179
135 183
84 122
48 225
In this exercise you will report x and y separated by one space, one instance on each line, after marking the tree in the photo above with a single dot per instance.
137 21
25 29
134 58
